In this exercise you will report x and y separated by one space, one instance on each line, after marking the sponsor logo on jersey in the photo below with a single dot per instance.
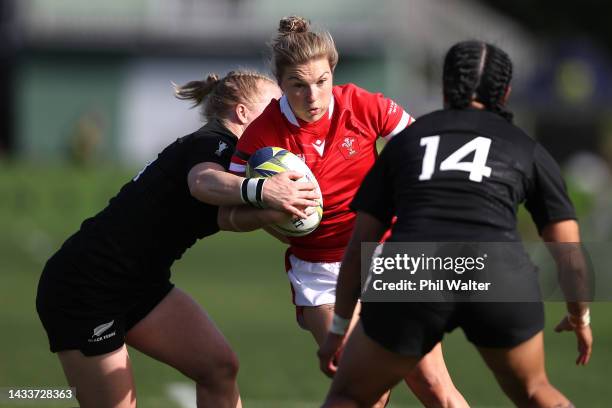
319 146
221 148
392 108
98 332
349 147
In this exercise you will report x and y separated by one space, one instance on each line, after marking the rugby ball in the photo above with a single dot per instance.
269 161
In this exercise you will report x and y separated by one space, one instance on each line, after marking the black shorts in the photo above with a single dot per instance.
413 329
85 310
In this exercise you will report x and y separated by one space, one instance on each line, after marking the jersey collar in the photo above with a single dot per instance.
288 113
216 125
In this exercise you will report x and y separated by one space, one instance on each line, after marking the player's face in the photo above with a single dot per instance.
308 88
266 92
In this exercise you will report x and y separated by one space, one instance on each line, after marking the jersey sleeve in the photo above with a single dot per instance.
256 136
547 199
209 149
375 196
383 115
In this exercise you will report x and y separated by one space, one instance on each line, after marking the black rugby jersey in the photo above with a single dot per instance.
153 219
459 175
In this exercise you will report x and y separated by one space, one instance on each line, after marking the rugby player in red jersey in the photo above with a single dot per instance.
334 129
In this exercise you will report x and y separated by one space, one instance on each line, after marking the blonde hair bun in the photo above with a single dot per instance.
293 24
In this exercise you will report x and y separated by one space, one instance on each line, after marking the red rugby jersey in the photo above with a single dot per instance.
339 148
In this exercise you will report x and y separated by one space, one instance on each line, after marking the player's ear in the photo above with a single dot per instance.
506 95
242 113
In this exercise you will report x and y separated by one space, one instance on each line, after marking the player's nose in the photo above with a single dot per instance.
311 94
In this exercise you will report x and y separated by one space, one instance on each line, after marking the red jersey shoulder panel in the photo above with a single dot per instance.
377 113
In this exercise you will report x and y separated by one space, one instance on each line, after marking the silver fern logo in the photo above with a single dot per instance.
99 330
221 148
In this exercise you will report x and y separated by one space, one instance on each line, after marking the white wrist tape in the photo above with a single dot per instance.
251 191
581 321
339 325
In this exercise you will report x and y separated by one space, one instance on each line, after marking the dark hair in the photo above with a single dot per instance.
477 71
220 95
297 44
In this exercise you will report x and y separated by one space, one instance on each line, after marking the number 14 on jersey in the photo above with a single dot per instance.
477 167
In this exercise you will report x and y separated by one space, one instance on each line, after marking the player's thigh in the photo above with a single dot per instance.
520 366
100 381
367 370
431 369
179 333
317 320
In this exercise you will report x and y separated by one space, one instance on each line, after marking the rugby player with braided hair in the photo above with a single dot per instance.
458 175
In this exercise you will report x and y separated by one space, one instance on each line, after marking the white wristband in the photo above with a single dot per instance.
581 321
251 191
339 325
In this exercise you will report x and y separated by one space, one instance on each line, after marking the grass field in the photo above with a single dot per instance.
239 279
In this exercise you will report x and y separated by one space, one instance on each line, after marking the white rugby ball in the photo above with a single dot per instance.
269 161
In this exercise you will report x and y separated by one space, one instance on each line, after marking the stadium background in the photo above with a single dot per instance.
86 100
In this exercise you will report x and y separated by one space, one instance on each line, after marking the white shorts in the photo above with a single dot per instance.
314 283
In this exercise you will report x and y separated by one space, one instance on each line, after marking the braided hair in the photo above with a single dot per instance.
477 71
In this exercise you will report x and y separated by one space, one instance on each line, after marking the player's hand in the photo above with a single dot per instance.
584 336
282 193
329 354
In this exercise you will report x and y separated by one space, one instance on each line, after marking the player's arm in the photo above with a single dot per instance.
282 238
383 115
210 183
395 124
565 247
367 229
553 213
242 218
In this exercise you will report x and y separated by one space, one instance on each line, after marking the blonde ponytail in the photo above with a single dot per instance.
219 96
196 90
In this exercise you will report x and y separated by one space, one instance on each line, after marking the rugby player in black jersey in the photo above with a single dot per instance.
455 175
109 283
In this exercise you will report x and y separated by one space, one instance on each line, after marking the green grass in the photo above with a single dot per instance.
240 280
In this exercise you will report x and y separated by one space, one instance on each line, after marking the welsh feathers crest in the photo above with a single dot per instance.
349 147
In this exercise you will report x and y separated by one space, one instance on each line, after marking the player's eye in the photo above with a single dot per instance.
322 81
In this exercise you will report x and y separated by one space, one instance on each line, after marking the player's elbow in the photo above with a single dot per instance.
195 189
196 183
